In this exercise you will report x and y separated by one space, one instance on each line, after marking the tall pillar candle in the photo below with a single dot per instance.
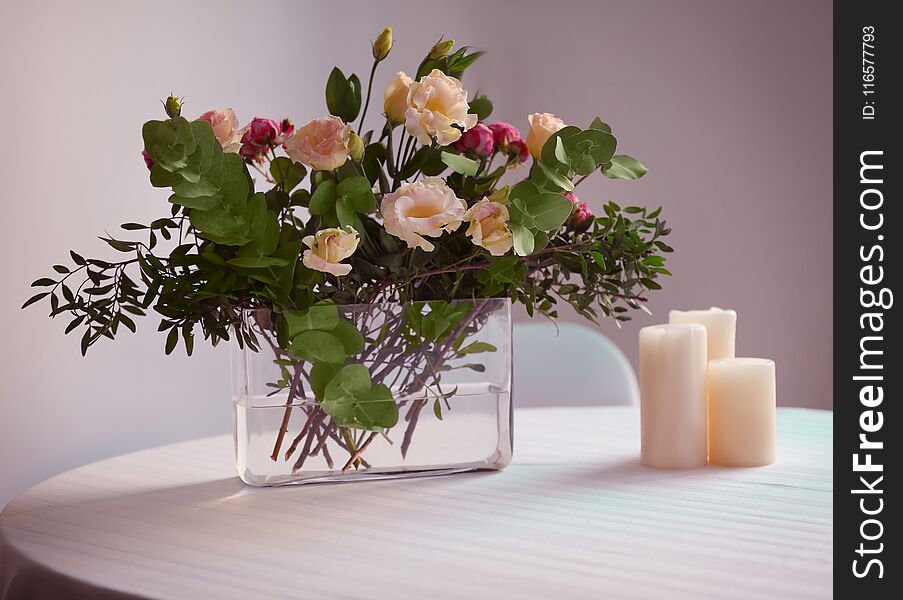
741 412
721 327
673 396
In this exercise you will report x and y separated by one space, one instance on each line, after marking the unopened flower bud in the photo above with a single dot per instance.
355 146
383 44
500 195
173 106
442 49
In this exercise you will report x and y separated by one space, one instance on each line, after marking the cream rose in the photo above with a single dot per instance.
542 126
225 128
328 248
322 144
435 104
395 99
489 226
422 208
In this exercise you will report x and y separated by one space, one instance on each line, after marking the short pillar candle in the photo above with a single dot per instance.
673 396
721 327
741 412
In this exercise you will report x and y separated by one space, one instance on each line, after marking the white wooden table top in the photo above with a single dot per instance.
575 516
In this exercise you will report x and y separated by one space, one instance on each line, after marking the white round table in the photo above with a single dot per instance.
575 516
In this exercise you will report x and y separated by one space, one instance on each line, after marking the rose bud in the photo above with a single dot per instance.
173 106
504 133
582 217
477 139
442 49
542 126
518 149
383 45
148 161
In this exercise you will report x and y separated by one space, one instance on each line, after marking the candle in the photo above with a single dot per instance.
721 327
741 412
673 396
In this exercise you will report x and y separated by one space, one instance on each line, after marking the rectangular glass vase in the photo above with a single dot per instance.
363 391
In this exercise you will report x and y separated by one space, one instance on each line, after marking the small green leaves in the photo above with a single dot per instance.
343 95
622 166
461 164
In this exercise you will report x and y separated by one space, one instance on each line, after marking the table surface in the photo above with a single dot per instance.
574 516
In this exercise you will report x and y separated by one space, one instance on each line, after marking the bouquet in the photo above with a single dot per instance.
430 216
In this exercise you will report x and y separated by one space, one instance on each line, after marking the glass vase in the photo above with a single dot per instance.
368 391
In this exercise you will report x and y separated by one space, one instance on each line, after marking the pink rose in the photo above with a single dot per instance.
225 128
582 217
321 144
148 161
477 139
504 133
257 137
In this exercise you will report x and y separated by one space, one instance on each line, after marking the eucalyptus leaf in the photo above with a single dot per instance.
461 164
317 346
622 166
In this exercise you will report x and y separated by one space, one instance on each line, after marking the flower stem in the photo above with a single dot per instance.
360 125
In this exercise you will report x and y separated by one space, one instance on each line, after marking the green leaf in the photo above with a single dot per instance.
358 191
344 212
556 178
352 401
198 203
171 340
35 298
622 166
42 282
323 317
324 197
476 348
287 173
481 106
523 240
320 376
600 125
589 149
317 346
461 164
545 211
343 95
257 262
352 339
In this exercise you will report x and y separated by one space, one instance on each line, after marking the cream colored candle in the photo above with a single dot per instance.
741 412
721 327
672 396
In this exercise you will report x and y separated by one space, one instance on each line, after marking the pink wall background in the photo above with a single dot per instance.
728 102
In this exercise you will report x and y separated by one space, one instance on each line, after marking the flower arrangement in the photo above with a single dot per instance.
274 227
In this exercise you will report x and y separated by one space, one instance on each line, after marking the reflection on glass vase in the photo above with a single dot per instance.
360 391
